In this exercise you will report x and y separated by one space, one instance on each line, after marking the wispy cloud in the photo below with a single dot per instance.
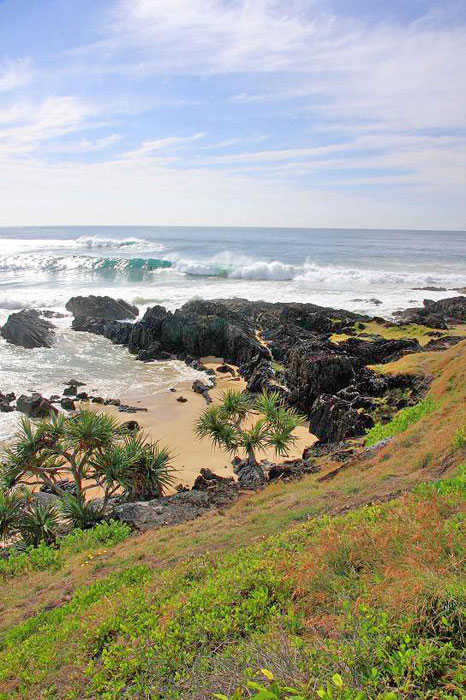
15 74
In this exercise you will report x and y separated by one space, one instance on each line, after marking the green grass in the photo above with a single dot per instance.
348 598
401 421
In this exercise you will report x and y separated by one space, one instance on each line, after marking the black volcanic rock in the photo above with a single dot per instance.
101 307
332 419
35 406
178 334
318 368
436 314
27 329
379 351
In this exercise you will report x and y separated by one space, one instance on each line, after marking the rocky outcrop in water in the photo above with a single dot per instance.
28 330
181 334
35 406
101 307
436 314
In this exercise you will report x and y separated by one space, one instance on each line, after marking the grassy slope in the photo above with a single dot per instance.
157 615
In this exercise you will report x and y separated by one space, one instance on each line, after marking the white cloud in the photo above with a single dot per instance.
172 143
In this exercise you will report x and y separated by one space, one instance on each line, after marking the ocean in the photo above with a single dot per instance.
42 267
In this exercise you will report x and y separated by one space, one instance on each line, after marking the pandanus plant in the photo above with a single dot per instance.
241 423
92 450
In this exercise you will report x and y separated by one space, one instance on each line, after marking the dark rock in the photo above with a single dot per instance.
261 378
123 408
200 388
250 476
75 382
181 507
226 369
112 402
181 399
6 407
101 307
332 419
318 368
150 353
436 314
71 390
130 426
68 404
27 329
82 396
63 485
208 480
446 341
379 351
98 399
35 406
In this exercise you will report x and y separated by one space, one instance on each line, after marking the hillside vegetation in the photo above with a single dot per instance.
345 584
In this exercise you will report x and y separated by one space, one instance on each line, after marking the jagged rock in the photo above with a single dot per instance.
71 390
82 396
35 406
250 476
315 369
332 419
6 407
442 343
112 402
200 388
150 353
75 382
68 404
182 506
436 314
208 480
179 334
98 399
101 307
27 329
261 378
379 351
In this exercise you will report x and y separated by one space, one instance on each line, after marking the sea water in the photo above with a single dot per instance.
42 267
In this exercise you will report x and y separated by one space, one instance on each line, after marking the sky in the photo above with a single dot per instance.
337 113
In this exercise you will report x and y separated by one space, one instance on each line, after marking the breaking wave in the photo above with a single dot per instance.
228 266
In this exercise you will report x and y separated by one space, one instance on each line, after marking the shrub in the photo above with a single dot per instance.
77 513
401 422
39 523
106 533
30 559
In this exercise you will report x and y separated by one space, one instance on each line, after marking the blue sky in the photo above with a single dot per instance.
233 112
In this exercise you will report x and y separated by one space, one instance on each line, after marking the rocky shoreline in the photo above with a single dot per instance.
318 359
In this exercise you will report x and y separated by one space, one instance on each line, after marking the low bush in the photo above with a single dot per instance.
103 534
48 557
401 421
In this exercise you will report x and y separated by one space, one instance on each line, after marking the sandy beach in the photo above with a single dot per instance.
172 423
